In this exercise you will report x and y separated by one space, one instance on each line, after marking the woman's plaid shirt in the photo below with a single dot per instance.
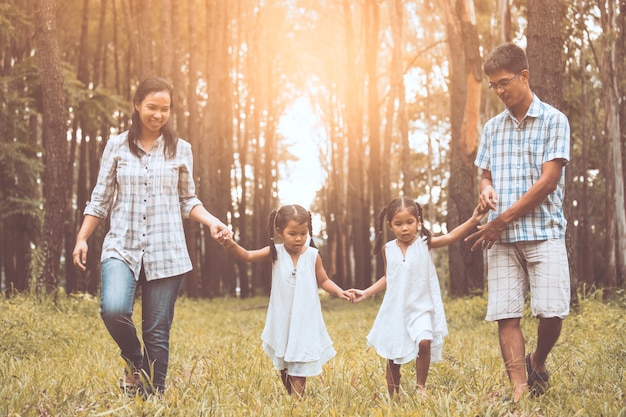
147 198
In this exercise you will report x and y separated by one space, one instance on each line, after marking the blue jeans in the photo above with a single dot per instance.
157 303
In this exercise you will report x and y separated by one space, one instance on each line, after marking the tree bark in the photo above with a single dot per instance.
373 114
358 199
54 141
615 210
466 267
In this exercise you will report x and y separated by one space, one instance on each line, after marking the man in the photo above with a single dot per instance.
522 154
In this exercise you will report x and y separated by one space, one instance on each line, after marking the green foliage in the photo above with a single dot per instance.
20 162
56 359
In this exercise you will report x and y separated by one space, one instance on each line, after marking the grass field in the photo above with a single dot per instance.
58 360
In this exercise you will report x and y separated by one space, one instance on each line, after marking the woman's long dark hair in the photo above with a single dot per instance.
151 86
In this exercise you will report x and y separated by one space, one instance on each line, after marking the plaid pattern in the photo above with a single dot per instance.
147 198
514 153
539 267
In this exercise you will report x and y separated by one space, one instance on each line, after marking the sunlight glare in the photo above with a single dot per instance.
299 180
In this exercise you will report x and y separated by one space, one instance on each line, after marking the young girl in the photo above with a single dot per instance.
411 322
295 336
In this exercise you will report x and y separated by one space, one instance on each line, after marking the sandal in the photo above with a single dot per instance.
538 382
130 384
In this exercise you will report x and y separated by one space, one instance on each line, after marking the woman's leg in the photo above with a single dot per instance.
158 300
116 309
393 377
422 363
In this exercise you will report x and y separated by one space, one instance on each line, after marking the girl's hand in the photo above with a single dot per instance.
347 295
480 211
357 295
225 238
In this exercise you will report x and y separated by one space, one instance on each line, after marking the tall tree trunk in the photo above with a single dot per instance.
615 210
544 39
546 80
143 13
505 20
396 12
198 278
584 254
54 141
167 40
466 267
358 200
373 112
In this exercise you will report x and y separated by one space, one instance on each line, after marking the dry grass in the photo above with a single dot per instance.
58 360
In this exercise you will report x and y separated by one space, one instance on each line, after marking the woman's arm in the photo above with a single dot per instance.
202 216
79 255
225 239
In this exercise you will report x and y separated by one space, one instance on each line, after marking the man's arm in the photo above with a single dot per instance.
488 233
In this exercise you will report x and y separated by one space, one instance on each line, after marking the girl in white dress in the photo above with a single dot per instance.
295 336
411 322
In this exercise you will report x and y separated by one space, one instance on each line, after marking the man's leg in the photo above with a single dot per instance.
513 353
548 333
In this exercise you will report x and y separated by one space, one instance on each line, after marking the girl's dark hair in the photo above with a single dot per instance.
507 56
281 217
151 86
388 213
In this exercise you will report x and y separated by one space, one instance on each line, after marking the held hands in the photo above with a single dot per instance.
488 198
489 232
347 295
220 230
357 295
225 238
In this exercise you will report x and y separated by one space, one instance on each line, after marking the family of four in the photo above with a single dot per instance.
146 182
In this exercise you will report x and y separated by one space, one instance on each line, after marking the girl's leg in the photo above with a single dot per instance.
158 300
286 381
393 378
116 309
422 363
297 384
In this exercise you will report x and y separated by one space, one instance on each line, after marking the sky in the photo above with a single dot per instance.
299 180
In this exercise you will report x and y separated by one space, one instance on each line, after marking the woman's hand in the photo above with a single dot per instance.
79 255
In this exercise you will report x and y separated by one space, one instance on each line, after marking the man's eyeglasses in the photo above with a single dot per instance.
504 83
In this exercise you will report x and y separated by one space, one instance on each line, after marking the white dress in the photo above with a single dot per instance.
412 308
295 336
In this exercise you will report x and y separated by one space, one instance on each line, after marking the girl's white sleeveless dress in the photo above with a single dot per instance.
295 336
412 308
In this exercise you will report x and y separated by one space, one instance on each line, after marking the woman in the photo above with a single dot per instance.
146 185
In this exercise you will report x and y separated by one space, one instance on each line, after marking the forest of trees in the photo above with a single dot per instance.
396 87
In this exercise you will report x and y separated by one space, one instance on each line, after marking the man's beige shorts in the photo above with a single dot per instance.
538 266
